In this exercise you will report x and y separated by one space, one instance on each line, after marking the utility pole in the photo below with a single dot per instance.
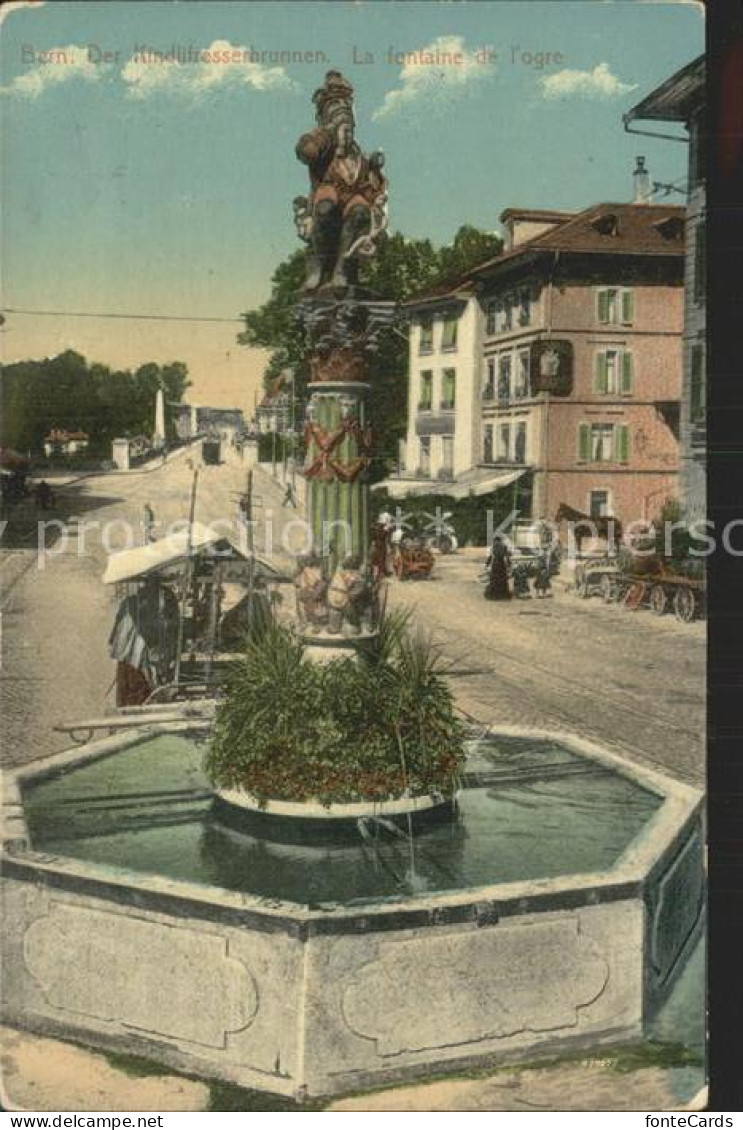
248 510
189 575
293 438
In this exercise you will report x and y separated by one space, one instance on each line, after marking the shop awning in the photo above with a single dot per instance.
477 482
169 553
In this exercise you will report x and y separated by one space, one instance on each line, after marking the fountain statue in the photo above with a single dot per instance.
340 220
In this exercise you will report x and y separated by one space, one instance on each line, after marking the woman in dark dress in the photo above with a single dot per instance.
497 587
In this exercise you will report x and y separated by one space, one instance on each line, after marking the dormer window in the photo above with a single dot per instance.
671 228
606 224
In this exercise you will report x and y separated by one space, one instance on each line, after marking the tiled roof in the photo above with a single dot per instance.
460 290
675 98
546 215
638 231
59 435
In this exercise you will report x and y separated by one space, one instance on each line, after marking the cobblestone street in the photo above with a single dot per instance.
631 680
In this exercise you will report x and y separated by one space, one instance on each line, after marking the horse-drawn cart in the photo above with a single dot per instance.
412 559
648 582
661 592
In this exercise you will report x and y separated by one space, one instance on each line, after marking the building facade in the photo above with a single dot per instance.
565 354
194 419
681 100
443 361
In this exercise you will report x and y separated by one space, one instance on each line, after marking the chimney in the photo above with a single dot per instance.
643 183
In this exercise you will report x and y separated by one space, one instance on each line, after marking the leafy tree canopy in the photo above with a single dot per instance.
401 268
70 393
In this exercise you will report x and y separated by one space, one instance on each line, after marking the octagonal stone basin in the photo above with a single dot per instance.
551 908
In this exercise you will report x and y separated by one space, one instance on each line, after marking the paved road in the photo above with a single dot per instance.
631 680
56 619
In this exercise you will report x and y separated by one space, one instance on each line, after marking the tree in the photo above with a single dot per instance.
69 393
401 269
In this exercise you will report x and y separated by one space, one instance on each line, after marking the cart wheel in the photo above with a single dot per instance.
607 589
684 604
658 600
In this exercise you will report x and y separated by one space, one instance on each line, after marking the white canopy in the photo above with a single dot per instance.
133 564
476 482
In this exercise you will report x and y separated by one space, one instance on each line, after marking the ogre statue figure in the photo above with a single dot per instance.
347 206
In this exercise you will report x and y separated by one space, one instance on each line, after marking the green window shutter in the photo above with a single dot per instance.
628 306
602 373
603 305
621 438
628 374
584 441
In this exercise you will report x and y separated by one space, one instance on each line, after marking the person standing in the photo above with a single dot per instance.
498 564
148 523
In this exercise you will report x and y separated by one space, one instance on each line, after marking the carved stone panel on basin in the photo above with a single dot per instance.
483 986
174 982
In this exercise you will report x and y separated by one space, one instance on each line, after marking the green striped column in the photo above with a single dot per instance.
338 511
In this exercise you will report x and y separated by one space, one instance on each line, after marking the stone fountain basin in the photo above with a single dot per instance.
323 999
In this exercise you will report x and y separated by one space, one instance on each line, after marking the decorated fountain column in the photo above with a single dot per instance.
338 450
340 221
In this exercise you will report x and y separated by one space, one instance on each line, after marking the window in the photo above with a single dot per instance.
615 307
524 306
603 443
447 454
607 306
519 442
504 377
614 372
506 318
425 461
700 262
425 343
504 442
698 392
426 396
449 333
491 314
487 444
606 224
449 389
522 374
599 504
488 392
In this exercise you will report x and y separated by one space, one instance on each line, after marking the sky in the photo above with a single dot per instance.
134 184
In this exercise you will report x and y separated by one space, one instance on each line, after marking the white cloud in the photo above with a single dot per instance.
435 77
220 65
51 68
598 83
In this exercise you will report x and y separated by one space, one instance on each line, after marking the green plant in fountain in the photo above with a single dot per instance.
378 727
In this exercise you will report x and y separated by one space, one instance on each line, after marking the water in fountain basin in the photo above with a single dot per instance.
530 809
